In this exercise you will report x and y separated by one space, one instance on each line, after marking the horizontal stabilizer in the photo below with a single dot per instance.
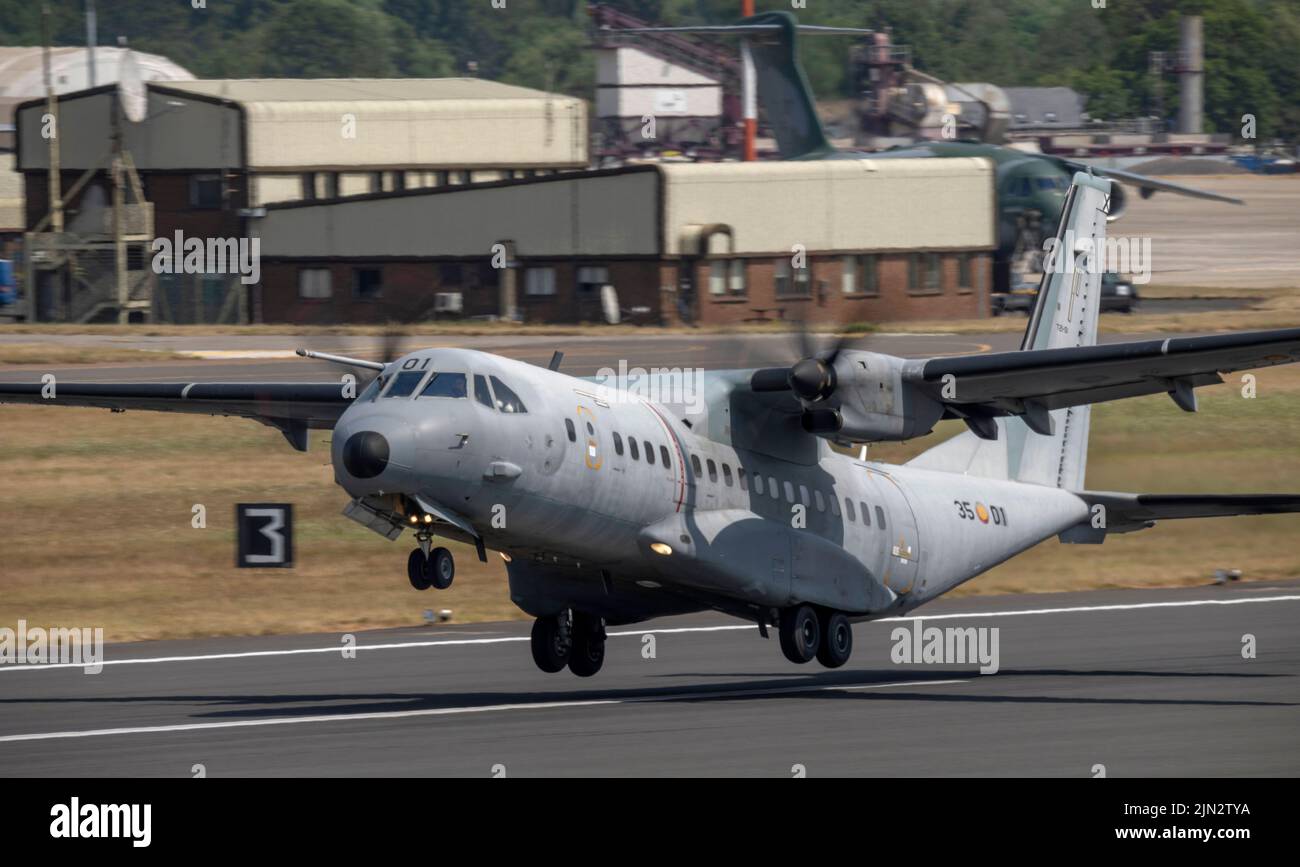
1124 513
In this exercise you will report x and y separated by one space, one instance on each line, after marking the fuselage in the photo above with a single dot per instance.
645 499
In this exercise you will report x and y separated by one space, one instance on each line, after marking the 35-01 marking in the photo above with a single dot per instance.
980 512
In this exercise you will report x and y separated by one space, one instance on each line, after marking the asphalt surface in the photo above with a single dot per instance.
1149 682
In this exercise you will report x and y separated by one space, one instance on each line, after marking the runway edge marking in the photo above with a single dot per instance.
453 642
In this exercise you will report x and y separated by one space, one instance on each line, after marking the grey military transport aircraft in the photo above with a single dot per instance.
612 508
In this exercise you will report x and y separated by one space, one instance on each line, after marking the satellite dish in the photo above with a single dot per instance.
131 94
609 304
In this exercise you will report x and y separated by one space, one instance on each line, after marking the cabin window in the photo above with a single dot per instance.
481 391
880 517
445 385
848 510
803 495
568 426
866 515
634 448
835 505
713 470
772 487
404 383
726 474
817 498
695 466
663 456
742 478
789 492
758 484
649 453
507 400
618 444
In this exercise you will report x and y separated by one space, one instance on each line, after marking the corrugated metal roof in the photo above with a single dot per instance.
254 90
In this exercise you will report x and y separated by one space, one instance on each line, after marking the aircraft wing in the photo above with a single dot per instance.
1002 383
1127 512
293 408
1150 185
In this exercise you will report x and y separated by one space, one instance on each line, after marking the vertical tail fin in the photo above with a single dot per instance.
1064 315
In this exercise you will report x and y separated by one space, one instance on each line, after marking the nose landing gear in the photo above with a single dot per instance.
435 569
570 638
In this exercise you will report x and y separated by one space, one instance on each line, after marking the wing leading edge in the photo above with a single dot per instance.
292 408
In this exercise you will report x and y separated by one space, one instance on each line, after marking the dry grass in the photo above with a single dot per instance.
96 514
46 353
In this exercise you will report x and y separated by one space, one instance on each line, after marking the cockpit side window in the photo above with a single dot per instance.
372 389
481 392
404 383
445 385
507 400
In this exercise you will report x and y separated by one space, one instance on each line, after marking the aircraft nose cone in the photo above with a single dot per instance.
365 454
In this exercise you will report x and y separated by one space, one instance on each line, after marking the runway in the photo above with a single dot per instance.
1140 682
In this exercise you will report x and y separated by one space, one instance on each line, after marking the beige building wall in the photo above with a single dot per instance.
834 204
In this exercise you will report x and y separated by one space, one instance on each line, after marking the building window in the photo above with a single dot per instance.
309 186
727 277
591 278
792 281
539 281
205 191
861 275
315 283
367 283
376 182
933 273
331 185
965 279
399 181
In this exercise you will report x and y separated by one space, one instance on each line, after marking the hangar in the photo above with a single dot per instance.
209 154
708 243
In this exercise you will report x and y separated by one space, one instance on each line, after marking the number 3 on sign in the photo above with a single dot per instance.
265 535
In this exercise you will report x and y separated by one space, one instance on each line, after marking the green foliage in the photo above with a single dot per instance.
1252 46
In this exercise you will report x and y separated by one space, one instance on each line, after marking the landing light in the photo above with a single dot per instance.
415 519
504 556
661 548
428 519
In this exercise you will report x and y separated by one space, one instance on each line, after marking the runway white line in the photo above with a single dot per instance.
459 642
453 711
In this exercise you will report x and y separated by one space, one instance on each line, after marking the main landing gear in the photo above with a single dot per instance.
435 569
807 632
570 638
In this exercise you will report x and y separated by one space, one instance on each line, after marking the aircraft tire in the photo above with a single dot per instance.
440 569
417 569
588 653
800 634
837 640
551 643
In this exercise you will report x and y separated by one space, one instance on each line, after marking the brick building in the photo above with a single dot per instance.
710 243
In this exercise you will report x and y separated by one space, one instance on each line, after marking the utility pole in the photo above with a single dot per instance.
748 89
92 37
51 109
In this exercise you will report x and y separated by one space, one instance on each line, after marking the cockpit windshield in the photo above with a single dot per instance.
445 385
405 383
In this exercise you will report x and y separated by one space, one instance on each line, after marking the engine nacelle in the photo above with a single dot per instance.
1118 201
872 403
